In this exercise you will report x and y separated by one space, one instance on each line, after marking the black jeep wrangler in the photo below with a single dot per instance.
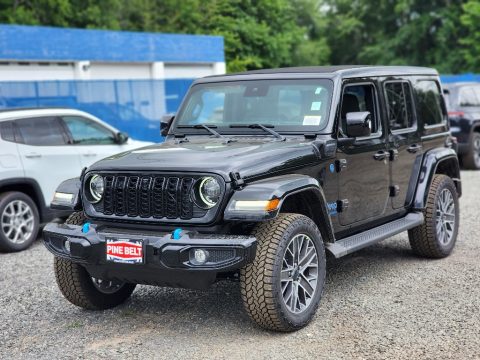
262 173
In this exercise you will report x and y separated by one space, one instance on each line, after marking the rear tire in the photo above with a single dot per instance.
78 287
282 288
437 236
19 221
471 160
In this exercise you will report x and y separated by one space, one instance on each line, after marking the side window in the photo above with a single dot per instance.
429 102
360 98
6 131
42 131
88 132
399 105
468 96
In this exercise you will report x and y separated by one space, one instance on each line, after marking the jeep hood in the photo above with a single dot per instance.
250 157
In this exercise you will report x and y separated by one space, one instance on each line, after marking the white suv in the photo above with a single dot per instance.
39 148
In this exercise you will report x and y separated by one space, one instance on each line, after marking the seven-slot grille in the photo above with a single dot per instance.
148 196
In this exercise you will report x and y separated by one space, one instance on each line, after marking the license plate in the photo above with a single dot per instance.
127 251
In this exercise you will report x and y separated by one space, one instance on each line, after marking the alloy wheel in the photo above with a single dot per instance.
299 275
445 217
17 221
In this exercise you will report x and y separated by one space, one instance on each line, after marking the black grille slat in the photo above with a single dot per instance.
132 195
171 198
144 197
157 197
149 196
108 207
186 203
119 196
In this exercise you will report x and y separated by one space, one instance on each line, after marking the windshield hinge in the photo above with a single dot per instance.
237 180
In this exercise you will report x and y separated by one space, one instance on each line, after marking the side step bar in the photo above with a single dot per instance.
356 242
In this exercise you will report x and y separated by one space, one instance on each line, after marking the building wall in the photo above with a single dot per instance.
125 78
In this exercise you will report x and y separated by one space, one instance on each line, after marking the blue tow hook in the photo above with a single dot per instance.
85 227
177 234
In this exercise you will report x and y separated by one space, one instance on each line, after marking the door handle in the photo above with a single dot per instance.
412 149
381 155
89 154
33 156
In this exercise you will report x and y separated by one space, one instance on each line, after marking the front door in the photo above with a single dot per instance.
362 164
45 154
404 141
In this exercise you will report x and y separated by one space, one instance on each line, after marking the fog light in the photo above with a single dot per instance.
200 257
67 245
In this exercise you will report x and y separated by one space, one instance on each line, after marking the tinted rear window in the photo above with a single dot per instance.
41 131
429 102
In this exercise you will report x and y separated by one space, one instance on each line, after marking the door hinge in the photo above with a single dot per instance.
237 180
342 205
394 190
340 164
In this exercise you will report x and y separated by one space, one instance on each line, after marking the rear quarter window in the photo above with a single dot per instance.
6 131
430 103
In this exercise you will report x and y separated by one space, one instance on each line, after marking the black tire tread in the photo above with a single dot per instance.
76 285
423 237
256 278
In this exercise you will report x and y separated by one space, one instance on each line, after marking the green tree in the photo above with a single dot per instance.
471 20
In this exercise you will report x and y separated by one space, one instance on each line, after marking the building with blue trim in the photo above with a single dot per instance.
129 79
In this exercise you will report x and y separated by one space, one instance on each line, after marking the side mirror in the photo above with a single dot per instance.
121 138
358 124
165 124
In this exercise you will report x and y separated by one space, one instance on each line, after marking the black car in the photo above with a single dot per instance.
463 104
261 175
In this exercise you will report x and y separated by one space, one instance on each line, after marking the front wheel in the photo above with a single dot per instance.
83 290
437 236
19 221
282 288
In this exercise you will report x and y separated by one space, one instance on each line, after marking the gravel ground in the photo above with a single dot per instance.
380 303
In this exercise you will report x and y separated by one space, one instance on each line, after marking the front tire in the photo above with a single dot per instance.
437 236
282 288
81 289
19 221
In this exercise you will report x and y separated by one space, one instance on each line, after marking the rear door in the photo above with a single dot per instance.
45 153
405 145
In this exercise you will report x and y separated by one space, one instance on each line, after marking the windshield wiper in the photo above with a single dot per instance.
260 126
209 128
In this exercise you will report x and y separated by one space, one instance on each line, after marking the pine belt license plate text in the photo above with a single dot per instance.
126 251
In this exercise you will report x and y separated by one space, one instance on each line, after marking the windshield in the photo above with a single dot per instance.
284 104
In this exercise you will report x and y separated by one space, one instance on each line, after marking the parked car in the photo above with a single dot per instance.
463 103
39 148
298 162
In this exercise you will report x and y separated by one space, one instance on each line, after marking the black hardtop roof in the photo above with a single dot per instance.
345 71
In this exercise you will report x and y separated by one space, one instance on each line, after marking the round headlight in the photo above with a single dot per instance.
209 192
96 188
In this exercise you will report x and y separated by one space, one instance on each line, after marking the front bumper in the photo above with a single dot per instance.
166 261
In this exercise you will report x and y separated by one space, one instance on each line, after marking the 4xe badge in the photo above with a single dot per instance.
125 251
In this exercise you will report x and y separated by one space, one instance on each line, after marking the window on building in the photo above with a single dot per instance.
88 132
399 105
429 102
41 131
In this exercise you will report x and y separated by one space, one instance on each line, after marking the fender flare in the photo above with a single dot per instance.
68 187
281 188
432 162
